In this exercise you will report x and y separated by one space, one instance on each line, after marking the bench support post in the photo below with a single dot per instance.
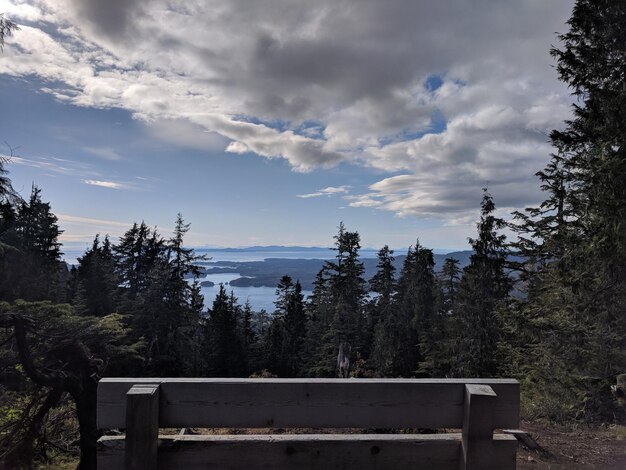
477 447
142 427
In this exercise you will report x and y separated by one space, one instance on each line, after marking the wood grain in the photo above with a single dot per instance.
142 427
313 403
307 452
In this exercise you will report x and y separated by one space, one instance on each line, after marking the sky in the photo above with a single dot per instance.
270 121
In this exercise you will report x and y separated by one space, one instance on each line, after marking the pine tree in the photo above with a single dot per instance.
224 356
382 283
295 329
338 306
7 27
576 239
286 335
483 290
31 265
97 281
249 341
164 307
319 315
405 338
449 278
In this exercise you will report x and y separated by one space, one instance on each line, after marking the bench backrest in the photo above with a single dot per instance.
311 403
477 406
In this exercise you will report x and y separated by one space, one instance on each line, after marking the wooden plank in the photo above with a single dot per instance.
477 436
306 452
315 403
142 427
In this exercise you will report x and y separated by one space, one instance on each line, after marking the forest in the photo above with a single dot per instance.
131 307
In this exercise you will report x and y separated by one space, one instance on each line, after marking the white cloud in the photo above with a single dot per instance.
329 191
84 171
105 184
322 84
77 229
67 218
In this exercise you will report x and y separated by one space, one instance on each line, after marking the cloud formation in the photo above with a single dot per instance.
329 191
105 184
444 97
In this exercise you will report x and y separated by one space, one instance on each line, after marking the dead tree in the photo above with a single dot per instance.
343 360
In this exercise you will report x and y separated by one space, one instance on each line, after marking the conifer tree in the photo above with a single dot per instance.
394 351
286 335
318 317
576 239
405 338
164 308
252 352
295 329
449 278
31 268
97 280
340 299
224 355
382 283
483 290
7 27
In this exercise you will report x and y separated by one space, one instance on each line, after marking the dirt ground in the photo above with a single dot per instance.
574 449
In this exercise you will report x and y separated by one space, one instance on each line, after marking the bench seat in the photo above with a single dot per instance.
308 451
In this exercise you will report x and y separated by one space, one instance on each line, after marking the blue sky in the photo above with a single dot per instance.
269 124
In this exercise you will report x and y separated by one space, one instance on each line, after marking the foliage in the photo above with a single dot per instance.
58 352
7 28
575 241
482 292
337 308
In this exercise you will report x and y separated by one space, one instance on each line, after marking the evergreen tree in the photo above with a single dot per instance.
382 283
482 292
395 340
275 346
340 298
295 329
405 338
576 239
30 261
164 308
449 278
224 356
319 315
97 281
249 341
7 27
286 335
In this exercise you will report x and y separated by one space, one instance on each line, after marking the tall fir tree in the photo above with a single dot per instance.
483 291
224 354
576 239
382 283
404 339
97 282
31 257
341 295
449 277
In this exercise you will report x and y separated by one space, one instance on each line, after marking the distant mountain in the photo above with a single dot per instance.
272 248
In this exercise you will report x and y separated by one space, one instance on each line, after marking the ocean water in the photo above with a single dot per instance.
259 297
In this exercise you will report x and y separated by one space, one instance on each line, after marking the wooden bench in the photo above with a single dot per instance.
473 407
